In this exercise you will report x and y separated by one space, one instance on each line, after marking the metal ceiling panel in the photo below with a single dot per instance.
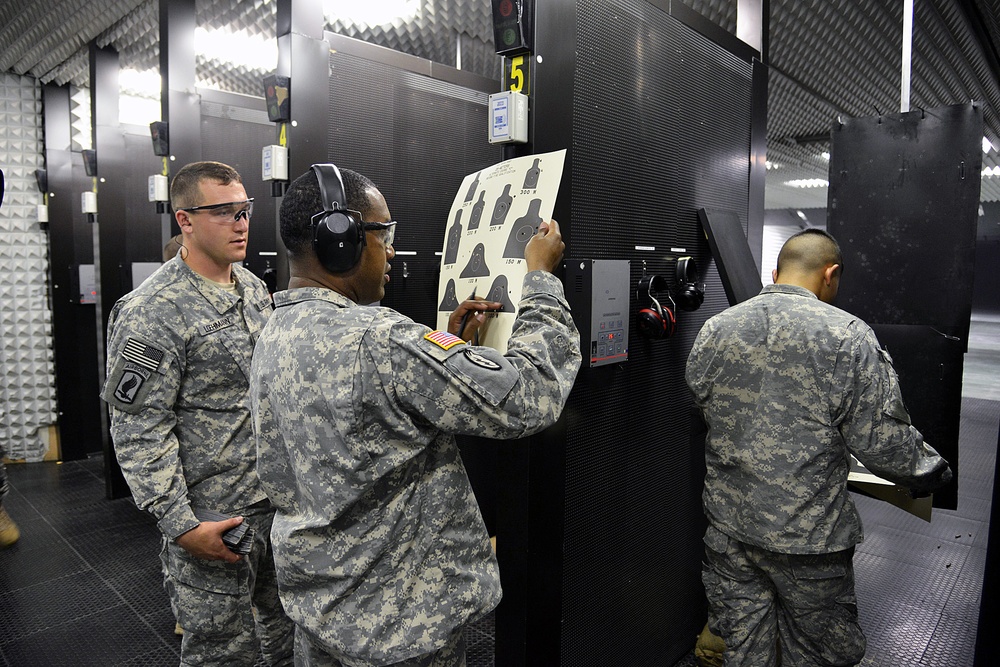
827 58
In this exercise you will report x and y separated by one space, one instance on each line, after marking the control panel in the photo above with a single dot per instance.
598 293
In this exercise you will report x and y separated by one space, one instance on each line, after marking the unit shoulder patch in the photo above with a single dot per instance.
131 381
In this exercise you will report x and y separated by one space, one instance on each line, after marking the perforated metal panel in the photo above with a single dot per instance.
670 134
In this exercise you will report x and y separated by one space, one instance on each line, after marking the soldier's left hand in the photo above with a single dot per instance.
205 540
469 316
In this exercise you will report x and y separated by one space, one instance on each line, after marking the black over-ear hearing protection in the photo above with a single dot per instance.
654 320
338 237
689 294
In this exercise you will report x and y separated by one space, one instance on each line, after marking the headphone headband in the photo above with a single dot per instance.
331 187
655 320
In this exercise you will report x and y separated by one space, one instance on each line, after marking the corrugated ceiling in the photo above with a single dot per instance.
827 58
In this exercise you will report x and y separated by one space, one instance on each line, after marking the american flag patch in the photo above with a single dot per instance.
146 356
444 340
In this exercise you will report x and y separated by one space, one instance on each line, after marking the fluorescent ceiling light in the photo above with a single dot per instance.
138 110
991 171
239 48
370 12
141 84
987 145
825 155
808 183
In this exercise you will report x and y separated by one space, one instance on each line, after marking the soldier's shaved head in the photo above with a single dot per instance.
809 251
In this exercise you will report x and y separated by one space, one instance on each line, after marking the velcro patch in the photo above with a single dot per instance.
444 340
143 354
481 361
130 383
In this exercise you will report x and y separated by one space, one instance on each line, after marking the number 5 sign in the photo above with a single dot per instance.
517 73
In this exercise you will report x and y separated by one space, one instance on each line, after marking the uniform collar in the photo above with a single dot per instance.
289 297
788 289
220 299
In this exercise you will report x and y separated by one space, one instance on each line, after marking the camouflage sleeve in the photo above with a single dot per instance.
697 362
478 391
145 364
877 426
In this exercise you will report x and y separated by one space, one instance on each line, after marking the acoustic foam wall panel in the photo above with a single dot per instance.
27 375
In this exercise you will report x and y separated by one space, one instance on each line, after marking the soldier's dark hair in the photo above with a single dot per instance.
303 200
185 189
810 250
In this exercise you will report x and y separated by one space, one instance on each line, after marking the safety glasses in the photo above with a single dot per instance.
230 211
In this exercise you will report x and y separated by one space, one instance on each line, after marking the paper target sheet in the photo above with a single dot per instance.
495 213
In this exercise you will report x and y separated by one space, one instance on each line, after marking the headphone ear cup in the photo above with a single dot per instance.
669 322
339 240
651 323
653 320
690 297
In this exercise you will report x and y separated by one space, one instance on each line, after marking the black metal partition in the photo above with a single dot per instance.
74 323
416 129
234 130
903 202
602 514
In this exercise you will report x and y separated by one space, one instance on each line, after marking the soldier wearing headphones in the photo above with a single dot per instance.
382 555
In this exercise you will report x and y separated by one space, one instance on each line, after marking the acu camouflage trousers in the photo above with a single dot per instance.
226 608
758 599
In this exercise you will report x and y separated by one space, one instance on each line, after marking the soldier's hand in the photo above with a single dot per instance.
205 540
545 249
469 317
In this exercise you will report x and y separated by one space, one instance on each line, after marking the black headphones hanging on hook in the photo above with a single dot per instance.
655 320
338 237
690 294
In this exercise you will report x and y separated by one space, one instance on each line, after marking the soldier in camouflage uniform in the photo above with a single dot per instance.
382 555
179 349
790 386
9 532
